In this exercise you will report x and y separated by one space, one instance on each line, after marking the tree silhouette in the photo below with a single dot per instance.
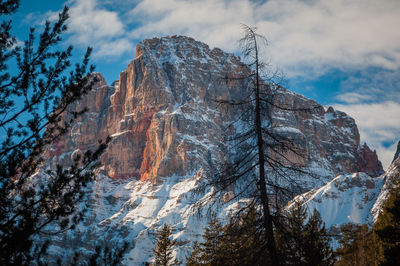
303 241
262 162
299 241
232 244
35 93
163 251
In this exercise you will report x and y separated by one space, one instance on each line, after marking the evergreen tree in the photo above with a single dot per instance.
243 243
108 255
211 247
358 246
163 252
301 242
195 256
316 248
210 252
35 93
289 235
239 243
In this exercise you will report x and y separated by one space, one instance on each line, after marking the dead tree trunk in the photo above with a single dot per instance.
267 219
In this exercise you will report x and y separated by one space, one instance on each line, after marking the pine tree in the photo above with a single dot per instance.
316 249
289 235
108 255
299 241
209 251
302 242
163 252
236 243
211 247
359 246
195 257
242 243
37 84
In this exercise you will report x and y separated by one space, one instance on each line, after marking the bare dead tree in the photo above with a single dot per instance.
250 49
261 162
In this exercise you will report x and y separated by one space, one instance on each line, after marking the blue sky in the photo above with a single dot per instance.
340 53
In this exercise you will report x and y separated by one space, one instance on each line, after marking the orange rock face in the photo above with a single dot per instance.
164 117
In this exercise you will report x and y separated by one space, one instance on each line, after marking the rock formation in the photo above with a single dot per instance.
164 119
368 161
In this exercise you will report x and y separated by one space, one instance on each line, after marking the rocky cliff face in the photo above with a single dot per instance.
164 119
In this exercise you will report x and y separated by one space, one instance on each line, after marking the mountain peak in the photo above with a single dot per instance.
177 48
165 106
168 134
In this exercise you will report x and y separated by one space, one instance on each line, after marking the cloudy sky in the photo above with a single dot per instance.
344 53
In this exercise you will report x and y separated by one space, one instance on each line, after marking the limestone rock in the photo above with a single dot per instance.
164 117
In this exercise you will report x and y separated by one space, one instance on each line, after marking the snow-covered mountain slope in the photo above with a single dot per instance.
345 199
134 211
355 198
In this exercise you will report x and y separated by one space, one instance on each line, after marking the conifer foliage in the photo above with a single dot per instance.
37 84
358 246
299 241
163 251
210 251
303 241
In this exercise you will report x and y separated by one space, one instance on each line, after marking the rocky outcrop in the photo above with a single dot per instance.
368 162
165 120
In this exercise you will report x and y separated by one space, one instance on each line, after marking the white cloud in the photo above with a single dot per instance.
114 48
353 97
314 35
371 85
213 22
307 38
91 25
378 124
